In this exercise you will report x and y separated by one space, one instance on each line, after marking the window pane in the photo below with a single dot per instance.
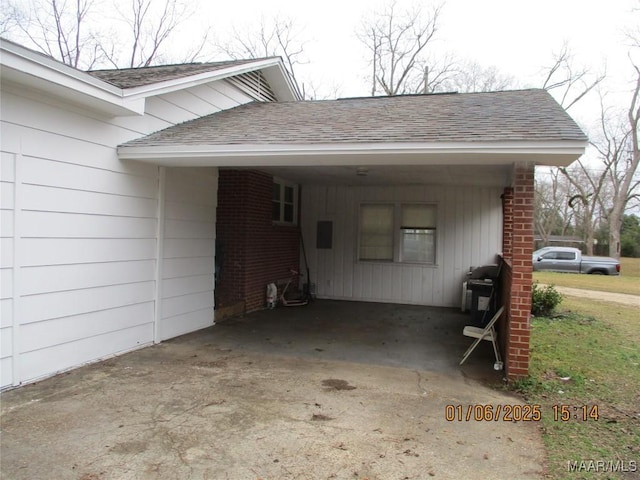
276 192
275 215
376 232
418 245
419 216
288 212
288 194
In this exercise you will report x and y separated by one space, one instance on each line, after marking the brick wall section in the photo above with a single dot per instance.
507 223
506 276
256 252
518 326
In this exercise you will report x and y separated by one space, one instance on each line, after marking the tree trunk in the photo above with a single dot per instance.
615 225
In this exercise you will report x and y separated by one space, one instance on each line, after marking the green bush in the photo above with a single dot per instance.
545 300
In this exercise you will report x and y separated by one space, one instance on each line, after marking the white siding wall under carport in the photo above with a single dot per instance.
80 233
469 233
188 247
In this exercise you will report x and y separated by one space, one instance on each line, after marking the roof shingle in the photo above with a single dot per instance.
521 115
138 77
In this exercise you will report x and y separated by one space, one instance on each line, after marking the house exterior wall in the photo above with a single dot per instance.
187 249
255 251
79 243
469 233
7 228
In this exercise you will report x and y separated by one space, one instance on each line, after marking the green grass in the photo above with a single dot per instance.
628 282
597 345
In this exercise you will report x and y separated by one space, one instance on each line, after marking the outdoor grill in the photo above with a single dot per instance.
482 283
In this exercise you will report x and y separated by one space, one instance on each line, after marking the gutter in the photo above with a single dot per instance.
350 153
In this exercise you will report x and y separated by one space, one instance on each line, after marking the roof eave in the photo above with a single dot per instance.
550 153
285 90
30 69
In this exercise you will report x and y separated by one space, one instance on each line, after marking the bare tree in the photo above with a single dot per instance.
397 42
552 213
470 76
57 28
571 83
272 37
618 150
74 31
589 186
150 25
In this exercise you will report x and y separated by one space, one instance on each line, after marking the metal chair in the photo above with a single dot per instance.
488 333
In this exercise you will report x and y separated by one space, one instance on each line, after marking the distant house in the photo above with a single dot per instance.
119 186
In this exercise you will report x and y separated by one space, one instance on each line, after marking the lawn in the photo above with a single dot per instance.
628 282
587 354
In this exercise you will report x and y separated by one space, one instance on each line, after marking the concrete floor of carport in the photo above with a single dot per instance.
405 336
335 390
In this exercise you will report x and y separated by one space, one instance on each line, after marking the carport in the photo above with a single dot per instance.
454 172
333 390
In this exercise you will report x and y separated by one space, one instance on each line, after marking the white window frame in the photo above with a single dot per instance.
397 234
283 183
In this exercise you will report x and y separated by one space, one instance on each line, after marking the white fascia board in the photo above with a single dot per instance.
35 70
281 83
169 86
494 153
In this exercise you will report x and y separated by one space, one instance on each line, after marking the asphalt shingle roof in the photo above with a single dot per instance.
137 77
521 115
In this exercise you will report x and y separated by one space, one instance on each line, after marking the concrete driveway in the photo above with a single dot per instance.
334 390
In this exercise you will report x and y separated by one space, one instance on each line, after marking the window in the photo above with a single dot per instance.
418 233
559 256
376 232
398 232
284 202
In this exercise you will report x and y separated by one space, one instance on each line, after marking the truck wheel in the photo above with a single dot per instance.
597 272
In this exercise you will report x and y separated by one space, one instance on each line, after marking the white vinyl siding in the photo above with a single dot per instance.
187 294
79 238
7 189
469 233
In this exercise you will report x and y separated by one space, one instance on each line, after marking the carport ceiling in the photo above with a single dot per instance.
485 175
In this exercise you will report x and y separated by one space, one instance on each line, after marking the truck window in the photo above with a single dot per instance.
566 256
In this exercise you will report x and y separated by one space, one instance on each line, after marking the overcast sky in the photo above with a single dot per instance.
517 37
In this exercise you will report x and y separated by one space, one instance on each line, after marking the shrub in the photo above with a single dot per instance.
545 300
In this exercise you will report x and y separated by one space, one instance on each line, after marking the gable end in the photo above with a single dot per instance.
255 85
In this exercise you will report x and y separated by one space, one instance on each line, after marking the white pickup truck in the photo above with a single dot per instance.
571 260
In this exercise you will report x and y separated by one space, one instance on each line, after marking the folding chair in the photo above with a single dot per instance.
488 333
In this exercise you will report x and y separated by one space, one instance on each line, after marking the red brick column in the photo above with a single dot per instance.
519 311
507 223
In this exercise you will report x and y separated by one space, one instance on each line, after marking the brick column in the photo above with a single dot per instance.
507 223
519 311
